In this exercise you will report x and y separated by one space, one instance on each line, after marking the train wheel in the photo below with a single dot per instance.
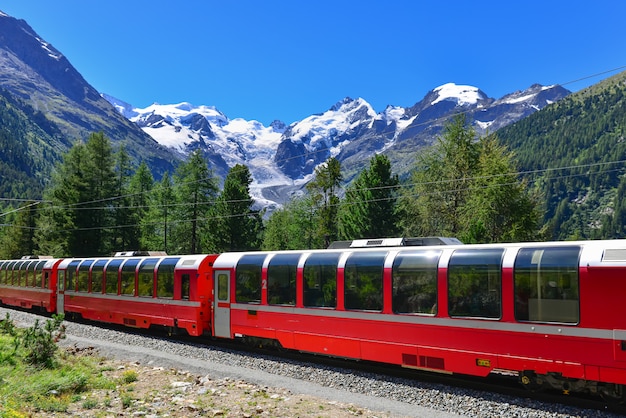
529 380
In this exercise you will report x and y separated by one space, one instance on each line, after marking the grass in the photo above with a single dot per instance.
51 386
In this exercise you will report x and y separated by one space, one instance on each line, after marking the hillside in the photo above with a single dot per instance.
575 154
42 77
29 144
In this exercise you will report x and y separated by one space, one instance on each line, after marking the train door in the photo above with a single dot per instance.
221 304
61 292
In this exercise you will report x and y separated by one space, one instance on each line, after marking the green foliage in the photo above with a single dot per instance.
369 208
234 226
323 189
294 227
574 151
466 188
196 188
156 224
41 343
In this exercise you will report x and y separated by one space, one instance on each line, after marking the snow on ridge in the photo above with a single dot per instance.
462 94
335 121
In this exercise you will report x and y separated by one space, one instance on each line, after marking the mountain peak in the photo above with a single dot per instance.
461 94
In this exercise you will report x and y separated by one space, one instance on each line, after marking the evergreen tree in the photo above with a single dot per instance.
465 188
323 189
101 174
236 227
368 210
79 219
156 224
499 208
139 189
19 238
196 188
123 233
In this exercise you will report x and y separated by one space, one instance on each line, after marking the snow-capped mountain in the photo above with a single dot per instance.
283 158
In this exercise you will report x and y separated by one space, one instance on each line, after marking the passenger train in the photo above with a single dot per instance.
553 313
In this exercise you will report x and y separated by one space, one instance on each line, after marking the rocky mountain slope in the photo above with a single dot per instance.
44 79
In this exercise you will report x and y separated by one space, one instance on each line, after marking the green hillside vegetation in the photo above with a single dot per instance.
29 145
574 153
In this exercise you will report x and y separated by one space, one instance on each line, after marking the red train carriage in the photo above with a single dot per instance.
29 283
169 291
552 312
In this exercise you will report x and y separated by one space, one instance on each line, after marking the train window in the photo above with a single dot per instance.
3 276
184 286
165 278
320 280
9 273
546 284
145 281
474 283
127 279
248 279
32 275
26 273
82 277
20 273
111 277
39 280
70 276
222 287
414 282
281 279
97 276
363 281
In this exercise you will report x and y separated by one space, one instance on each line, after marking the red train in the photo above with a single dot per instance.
554 313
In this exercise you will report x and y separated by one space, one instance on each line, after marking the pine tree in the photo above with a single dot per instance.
78 222
196 188
156 225
368 210
236 227
466 188
323 189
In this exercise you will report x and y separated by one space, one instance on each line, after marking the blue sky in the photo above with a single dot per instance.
286 60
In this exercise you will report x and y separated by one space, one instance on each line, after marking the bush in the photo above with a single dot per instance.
41 343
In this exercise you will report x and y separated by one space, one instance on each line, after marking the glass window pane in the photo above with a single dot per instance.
145 280
414 282
474 283
185 284
9 273
320 280
39 276
546 284
70 276
30 273
127 279
111 277
363 280
97 276
21 273
248 279
281 279
222 286
82 280
165 278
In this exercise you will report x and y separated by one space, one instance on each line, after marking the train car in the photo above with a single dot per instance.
29 283
139 291
553 313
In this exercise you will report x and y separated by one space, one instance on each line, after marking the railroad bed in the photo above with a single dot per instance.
395 396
